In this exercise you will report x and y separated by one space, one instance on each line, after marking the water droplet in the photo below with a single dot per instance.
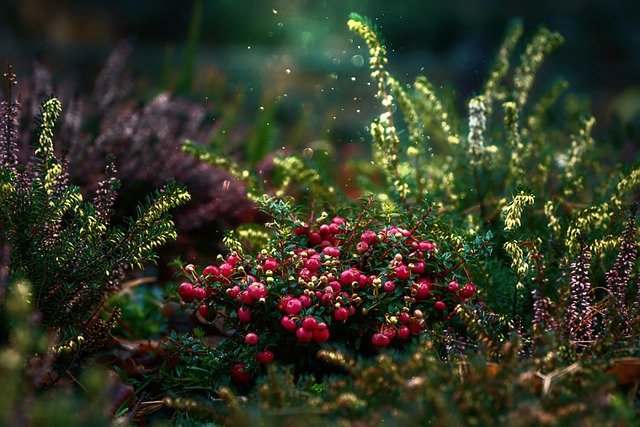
307 152
248 47
353 78
275 12
226 184
280 25
261 108
357 60
288 71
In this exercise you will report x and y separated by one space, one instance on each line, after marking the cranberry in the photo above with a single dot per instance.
369 237
403 332
265 357
389 286
426 245
246 297
324 230
199 293
418 267
226 269
331 251
321 335
340 314
270 264
312 264
234 291
185 290
347 277
300 231
251 338
239 375
210 270
467 291
380 340
287 323
339 220
309 323
293 306
305 301
334 228
244 314
205 312
453 286
439 306
389 331
304 335
257 290
335 286
404 317
423 289
362 247
315 238
402 272
232 260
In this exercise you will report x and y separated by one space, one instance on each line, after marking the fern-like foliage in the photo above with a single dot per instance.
65 245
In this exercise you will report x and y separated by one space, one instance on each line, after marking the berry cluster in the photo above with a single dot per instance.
359 286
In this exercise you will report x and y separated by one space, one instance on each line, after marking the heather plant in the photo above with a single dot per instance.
66 247
141 134
542 191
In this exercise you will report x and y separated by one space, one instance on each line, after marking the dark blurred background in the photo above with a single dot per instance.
302 52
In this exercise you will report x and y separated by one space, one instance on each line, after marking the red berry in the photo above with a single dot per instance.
244 314
335 286
347 277
185 290
363 280
315 238
287 323
199 293
334 228
210 270
468 290
416 326
362 247
265 357
309 323
304 335
232 260
380 340
331 251
246 297
402 272
251 338
453 286
426 245
339 220
305 300
404 317
239 375
340 314
403 332
369 237
418 267
300 231
439 306
312 264
389 286
270 264
293 306
321 335
257 290
234 291
324 230
206 312
423 289
226 269
389 330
